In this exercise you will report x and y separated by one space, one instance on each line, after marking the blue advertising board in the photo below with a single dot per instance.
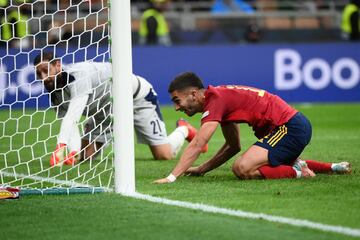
297 72
18 86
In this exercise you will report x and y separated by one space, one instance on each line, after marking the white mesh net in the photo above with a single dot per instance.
73 31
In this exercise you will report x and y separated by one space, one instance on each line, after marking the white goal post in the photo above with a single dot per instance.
31 114
123 103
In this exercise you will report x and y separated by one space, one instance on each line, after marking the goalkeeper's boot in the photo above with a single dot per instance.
304 171
341 168
57 157
72 158
191 132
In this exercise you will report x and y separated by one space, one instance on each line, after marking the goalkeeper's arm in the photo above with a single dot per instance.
69 132
69 135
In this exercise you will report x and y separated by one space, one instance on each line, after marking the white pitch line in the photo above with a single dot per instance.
261 216
213 209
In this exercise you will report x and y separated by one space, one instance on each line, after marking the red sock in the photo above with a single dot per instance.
281 171
318 167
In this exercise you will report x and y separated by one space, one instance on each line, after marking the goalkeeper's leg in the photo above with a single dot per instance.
161 152
97 136
90 150
175 142
152 131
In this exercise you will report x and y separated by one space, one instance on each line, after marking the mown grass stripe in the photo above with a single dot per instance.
217 210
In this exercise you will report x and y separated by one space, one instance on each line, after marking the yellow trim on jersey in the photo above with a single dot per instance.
278 136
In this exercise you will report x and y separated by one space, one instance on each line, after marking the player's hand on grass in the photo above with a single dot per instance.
194 171
169 179
162 180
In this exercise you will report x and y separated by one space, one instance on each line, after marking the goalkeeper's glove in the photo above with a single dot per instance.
72 158
57 157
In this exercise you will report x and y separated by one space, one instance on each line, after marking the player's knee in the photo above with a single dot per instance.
241 170
163 156
162 152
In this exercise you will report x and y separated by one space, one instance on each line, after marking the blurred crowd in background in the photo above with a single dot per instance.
29 23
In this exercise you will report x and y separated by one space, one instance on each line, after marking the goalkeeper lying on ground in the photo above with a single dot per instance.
84 89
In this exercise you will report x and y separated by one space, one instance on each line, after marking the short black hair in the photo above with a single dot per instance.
185 80
45 56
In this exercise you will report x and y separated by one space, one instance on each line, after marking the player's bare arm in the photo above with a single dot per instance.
192 151
214 162
72 116
227 151
69 135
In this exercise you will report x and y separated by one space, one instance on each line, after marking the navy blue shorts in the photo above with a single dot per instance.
286 142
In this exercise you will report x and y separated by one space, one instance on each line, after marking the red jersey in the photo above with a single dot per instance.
241 104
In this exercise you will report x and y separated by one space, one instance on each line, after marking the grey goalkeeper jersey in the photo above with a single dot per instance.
88 92
86 78
92 78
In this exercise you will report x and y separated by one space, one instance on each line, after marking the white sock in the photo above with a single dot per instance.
332 166
298 173
177 138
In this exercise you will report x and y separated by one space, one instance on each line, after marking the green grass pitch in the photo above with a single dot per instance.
327 199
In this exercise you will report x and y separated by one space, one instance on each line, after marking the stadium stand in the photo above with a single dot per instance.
192 22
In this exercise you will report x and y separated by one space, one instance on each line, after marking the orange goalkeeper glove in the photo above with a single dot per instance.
57 157
72 158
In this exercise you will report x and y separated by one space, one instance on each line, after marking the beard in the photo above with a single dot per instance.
59 82
56 88
190 114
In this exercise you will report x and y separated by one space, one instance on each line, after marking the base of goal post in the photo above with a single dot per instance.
63 191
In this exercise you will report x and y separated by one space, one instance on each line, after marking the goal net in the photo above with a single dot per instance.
30 119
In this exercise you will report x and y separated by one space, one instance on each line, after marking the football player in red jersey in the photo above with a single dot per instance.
282 132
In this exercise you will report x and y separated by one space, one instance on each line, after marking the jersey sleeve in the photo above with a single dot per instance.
83 73
214 108
71 118
80 87
60 101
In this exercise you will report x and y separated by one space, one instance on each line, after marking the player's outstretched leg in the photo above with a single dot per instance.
191 132
341 168
324 167
254 163
298 170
